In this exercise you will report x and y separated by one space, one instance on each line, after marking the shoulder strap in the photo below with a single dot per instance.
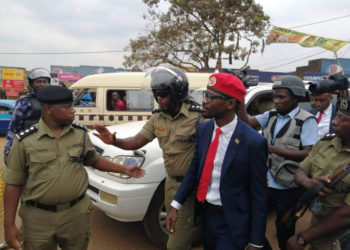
76 125
156 111
26 132
328 137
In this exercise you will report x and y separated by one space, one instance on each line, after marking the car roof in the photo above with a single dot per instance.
131 80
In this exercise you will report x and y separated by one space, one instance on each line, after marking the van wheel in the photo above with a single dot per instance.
154 221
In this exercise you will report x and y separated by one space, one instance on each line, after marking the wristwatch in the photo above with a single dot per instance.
301 240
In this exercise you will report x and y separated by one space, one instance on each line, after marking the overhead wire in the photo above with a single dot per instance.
123 51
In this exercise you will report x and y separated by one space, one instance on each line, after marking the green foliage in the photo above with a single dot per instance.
193 32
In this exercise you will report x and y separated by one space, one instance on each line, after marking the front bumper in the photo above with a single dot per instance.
121 201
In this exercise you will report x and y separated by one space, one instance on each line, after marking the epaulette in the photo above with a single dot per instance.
26 132
23 96
156 111
195 107
76 125
328 137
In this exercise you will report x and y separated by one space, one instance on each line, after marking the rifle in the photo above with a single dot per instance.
311 194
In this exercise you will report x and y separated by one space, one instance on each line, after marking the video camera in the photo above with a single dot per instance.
334 82
243 76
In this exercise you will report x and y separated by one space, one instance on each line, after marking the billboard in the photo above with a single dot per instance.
12 78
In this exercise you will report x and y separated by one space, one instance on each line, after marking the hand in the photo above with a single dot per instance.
13 237
134 171
292 244
103 133
324 191
171 219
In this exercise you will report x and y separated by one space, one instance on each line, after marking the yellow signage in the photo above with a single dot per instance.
282 35
12 74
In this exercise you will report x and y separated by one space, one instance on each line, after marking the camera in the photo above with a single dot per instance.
243 76
334 82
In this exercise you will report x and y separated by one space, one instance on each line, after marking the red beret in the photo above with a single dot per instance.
227 84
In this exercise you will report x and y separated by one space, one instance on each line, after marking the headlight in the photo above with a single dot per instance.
127 160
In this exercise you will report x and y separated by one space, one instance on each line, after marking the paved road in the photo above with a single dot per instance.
109 234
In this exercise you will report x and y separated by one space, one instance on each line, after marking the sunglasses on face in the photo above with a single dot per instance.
209 97
161 93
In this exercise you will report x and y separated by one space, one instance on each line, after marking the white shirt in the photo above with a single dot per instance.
323 125
213 194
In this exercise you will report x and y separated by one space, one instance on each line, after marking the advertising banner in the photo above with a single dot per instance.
282 35
13 84
70 77
13 74
12 92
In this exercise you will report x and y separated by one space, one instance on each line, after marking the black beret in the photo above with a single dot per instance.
55 95
344 105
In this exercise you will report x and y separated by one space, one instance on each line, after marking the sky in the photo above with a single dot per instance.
108 25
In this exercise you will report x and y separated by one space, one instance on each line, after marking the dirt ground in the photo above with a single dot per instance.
109 234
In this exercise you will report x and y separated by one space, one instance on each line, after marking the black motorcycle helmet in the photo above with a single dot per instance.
163 77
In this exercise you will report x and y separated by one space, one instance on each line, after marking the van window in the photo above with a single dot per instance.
131 100
85 98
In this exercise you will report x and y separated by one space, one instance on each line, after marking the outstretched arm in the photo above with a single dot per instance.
108 166
130 143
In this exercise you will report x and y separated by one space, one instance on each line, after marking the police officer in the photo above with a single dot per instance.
290 132
45 170
27 109
331 153
174 124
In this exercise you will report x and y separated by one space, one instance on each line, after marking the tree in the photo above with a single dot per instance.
193 32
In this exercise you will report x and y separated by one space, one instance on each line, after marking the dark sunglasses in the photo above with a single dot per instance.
209 97
161 93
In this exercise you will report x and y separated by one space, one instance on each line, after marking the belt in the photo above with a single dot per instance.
177 178
212 207
55 208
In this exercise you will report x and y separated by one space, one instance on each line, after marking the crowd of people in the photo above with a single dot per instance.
223 177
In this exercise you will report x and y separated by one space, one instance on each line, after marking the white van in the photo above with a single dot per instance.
93 97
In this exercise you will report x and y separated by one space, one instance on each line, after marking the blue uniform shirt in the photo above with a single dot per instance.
308 136
21 112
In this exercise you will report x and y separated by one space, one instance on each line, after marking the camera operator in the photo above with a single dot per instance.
321 95
324 111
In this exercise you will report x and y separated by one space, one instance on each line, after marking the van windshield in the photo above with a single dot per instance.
85 97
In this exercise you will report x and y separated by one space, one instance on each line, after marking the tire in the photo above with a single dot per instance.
154 220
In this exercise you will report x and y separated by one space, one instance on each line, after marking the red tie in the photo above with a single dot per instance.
208 168
320 117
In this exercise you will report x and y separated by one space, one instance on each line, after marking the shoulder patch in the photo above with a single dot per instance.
26 132
328 137
156 111
76 125
195 107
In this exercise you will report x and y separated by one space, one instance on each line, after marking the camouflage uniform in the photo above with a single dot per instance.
22 111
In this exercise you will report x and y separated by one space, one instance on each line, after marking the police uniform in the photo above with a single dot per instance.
26 113
54 209
176 138
325 157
